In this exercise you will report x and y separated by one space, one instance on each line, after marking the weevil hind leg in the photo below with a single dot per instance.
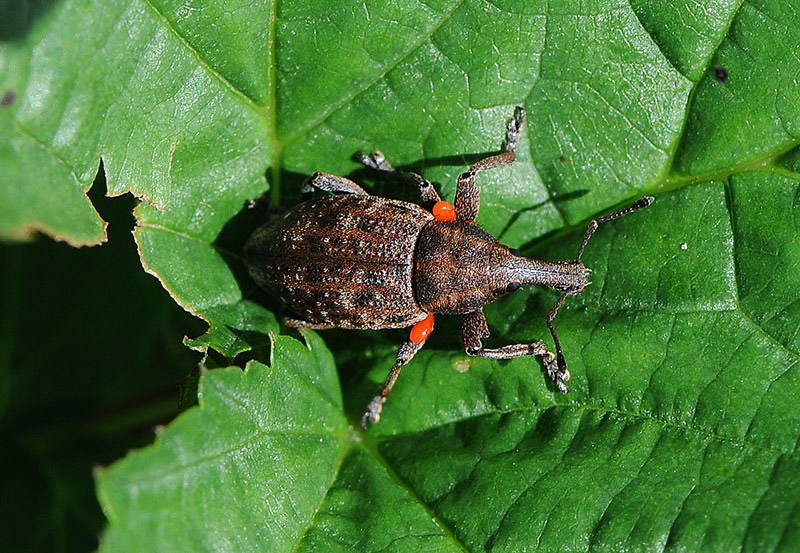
330 183
474 329
468 195
405 354
376 160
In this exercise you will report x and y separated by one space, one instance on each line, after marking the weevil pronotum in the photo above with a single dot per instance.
352 260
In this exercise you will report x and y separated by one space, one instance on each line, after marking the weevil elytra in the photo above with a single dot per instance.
352 260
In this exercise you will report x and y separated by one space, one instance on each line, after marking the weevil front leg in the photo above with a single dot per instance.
468 195
376 160
559 373
474 329
560 363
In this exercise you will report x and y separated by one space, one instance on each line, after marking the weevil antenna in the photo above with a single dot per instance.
638 204
562 363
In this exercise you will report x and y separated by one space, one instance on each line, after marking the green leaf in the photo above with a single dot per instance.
681 429
758 95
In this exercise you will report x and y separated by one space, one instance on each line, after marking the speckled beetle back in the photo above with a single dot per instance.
344 260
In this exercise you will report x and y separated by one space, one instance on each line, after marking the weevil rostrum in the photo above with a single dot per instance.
352 260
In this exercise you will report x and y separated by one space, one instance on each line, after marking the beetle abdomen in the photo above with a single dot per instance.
344 260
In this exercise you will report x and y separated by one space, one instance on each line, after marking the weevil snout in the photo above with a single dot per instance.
570 277
576 277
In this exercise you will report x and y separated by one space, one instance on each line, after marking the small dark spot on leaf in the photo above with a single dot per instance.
8 98
721 74
562 159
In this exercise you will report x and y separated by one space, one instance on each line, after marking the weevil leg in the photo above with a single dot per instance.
331 183
474 329
376 160
373 413
513 129
468 195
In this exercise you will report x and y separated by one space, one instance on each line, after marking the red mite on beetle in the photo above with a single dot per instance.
352 260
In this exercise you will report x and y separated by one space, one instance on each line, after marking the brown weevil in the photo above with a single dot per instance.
352 260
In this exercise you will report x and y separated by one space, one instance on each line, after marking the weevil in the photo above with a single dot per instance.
352 260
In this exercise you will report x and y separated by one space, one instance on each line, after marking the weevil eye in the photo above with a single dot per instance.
515 252
513 287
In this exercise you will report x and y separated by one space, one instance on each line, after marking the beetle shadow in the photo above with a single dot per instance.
252 214
522 211
419 166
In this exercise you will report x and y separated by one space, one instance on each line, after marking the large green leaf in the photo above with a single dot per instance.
681 429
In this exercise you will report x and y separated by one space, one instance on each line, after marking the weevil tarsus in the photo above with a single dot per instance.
514 128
